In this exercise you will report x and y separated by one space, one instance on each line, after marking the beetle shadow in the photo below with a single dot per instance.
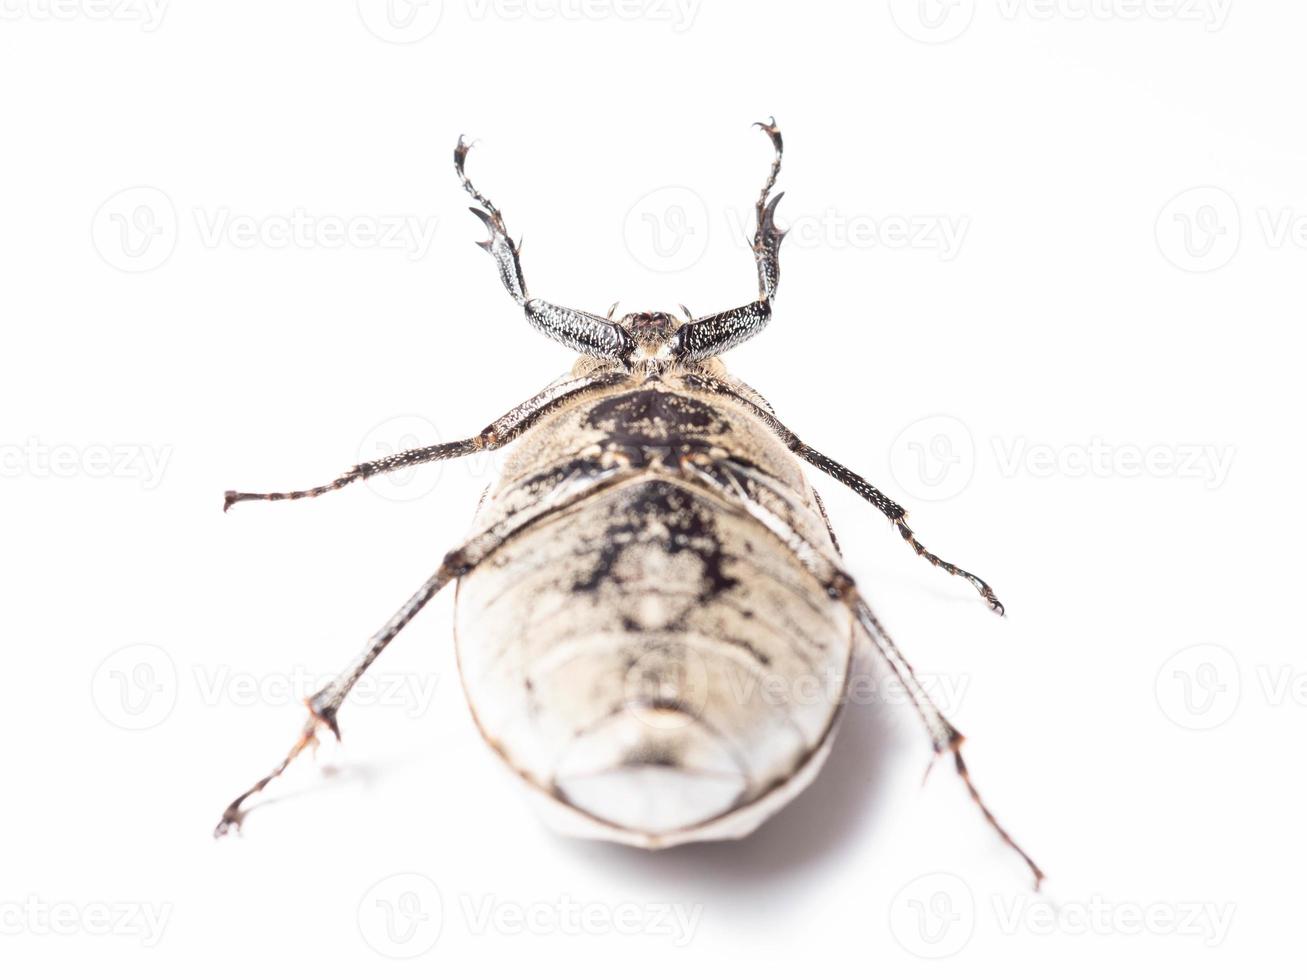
842 802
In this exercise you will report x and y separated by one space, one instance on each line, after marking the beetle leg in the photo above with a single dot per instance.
709 336
839 586
587 333
895 512
943 736
500 432
325 704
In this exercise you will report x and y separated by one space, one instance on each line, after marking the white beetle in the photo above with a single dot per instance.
654 625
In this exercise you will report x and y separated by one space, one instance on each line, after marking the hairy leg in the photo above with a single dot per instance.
727 480
500 432
893 511
325 704
587 333
709 336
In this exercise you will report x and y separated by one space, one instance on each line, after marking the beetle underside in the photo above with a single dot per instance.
655 624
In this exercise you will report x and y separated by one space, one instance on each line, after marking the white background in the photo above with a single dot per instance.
1106 361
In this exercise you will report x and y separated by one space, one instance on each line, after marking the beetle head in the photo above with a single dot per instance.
655 335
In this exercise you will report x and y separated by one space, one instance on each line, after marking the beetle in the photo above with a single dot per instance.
650 569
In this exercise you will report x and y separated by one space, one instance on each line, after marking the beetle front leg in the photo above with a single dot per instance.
587 333
709 336
500 432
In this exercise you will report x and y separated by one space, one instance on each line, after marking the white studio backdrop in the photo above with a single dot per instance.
1042 287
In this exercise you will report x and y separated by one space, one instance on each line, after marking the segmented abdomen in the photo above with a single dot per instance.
653 655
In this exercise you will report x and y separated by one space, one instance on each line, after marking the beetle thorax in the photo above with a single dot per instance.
655 336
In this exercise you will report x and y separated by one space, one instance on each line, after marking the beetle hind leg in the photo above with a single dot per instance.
943 736
324 705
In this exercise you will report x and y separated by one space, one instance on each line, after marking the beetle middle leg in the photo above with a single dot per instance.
325 704
895 512
500 432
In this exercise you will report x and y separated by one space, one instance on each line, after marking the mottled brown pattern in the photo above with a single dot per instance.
654 592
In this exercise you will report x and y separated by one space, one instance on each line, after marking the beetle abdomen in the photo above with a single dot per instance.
652 656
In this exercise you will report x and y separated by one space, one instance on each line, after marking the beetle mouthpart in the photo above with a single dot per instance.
652 772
